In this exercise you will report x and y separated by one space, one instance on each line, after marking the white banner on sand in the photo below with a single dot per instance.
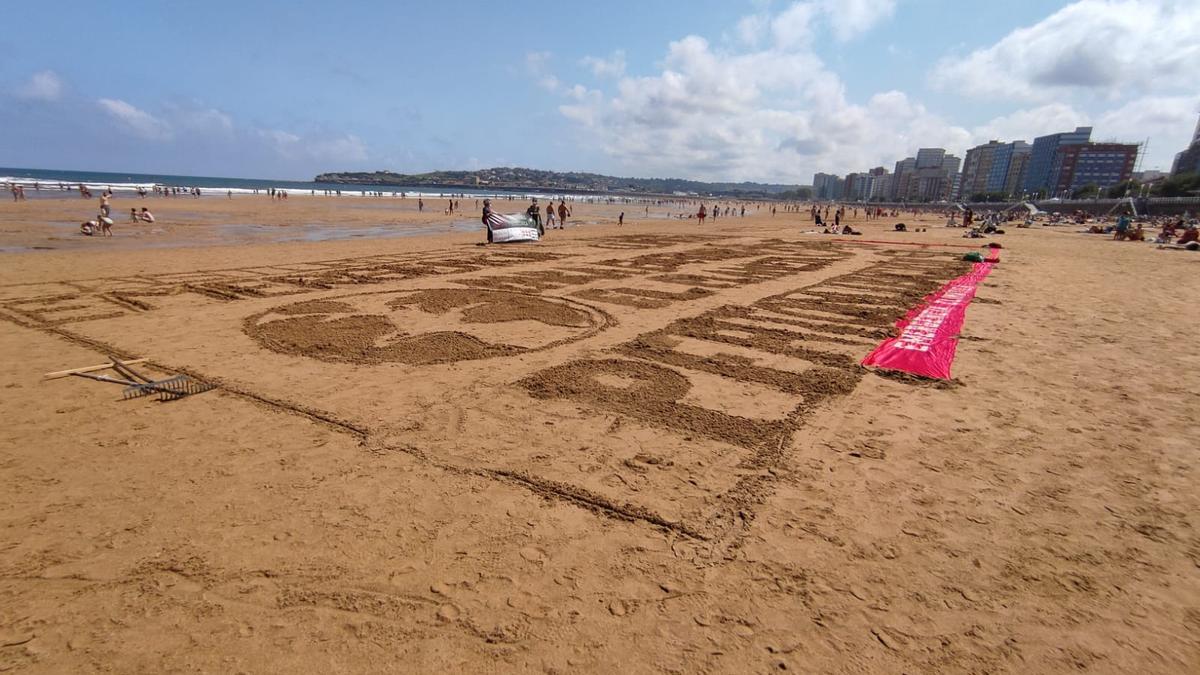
507 228
507 234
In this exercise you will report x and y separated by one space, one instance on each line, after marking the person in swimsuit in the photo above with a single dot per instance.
1189 235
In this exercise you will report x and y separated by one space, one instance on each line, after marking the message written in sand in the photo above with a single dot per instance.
65 302
422 327
678 422
803 343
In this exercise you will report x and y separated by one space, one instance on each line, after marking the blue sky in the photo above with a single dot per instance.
754 90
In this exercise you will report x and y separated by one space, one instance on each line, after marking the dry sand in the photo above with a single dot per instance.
658 456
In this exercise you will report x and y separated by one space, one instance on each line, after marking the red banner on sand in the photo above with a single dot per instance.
928 336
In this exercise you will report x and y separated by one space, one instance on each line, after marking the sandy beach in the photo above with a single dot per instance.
640 449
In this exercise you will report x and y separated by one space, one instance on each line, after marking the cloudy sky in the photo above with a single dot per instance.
707 89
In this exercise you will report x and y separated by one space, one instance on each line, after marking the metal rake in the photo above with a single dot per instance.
169 389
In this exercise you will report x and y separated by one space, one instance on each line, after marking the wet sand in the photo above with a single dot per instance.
636 449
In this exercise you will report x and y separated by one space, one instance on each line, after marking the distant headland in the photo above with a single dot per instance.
510 178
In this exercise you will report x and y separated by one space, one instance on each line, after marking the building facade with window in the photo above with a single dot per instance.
1042 157
1099 164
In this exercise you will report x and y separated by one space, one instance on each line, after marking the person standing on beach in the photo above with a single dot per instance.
420 204
562 213
550 215
104 207
534 213
621 219
701 214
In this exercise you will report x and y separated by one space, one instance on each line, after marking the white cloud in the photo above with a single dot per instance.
770 111
282 140
537 64
42 86
752 28
135 121
342 148
794 27
1107 47
347 148
613 66
206 119
850 18
1030 123
771 114
1167 120
765 107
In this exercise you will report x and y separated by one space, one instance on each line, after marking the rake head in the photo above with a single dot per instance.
169 389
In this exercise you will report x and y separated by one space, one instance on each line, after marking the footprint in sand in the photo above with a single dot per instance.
534 554
448 613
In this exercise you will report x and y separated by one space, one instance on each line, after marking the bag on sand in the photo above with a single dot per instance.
973 256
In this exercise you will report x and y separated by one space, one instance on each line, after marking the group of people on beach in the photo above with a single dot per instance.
102 223
534 213
1174 232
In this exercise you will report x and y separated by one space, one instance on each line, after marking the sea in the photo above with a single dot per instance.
52 183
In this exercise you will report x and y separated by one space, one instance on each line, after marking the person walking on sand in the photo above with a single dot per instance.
562 213
621 219
550 216
420 204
